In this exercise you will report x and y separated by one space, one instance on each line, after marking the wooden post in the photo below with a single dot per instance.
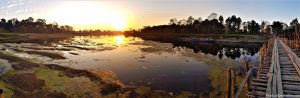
228 83
246 70
297 32
246 64
233 89
1 93
294 38
293 41
262 54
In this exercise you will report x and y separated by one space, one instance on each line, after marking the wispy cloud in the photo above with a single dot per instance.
14 3
21 11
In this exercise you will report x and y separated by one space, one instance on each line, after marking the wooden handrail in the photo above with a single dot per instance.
243 83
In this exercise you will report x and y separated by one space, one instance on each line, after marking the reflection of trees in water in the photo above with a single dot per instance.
230 51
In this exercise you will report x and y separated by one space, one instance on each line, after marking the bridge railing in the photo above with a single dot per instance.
244 85
292 39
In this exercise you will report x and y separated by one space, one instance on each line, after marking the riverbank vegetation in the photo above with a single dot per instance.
217 24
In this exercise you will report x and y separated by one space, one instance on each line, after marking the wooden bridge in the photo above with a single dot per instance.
278 74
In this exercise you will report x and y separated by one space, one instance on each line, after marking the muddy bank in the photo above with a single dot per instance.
74 72
53 55
20 81
33 37
47 81
18 63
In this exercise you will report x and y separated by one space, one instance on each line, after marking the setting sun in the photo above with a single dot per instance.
119 24
94 15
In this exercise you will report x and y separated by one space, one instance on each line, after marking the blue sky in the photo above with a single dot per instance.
153 12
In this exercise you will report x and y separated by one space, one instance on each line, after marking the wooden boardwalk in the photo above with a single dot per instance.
278 75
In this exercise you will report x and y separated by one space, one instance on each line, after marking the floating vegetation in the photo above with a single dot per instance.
74 87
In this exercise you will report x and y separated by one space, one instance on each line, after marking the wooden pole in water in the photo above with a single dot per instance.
228 83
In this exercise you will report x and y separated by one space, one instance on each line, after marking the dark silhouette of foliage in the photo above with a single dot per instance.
190 25
31 26
221 19
233 24
251 27
277 27
214 24
293 24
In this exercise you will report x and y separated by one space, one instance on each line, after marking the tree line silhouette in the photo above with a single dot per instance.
215 24
30 25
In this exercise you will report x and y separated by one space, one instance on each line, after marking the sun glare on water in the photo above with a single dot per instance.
90 14
119 40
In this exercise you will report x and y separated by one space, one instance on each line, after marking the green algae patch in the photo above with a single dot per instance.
74 87
7 89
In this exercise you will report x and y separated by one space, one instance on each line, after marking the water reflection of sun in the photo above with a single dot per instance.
119 40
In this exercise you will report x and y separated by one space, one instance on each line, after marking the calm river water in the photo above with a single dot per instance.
162 66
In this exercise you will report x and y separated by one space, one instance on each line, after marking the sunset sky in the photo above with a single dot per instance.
125 14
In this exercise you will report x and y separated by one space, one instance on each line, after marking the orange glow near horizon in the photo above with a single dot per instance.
91 15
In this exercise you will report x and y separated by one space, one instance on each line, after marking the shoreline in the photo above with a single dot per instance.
201 38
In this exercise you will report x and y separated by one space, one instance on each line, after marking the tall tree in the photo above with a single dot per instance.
190 20
293 24
212 16
233 24
253 27
173 21
264 25
221 19
277 27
